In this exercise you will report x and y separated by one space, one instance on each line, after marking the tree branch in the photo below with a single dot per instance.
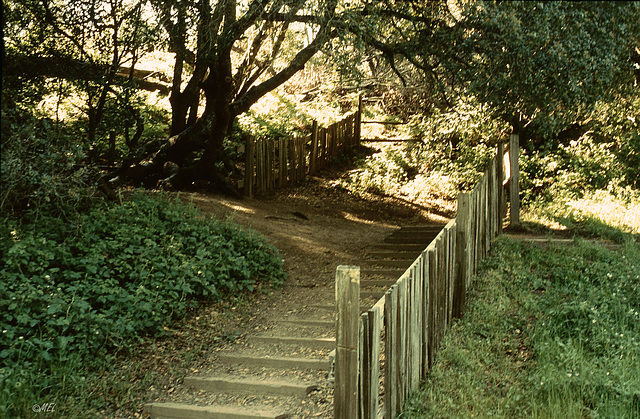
70 69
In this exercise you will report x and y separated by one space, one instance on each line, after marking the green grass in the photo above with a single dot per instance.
550 331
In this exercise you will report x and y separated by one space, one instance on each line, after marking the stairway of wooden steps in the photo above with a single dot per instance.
276 374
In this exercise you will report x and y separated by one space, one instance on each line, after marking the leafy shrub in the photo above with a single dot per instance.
38 168
460 141
382 172
570 171
275 119
82 290
453 150
616 126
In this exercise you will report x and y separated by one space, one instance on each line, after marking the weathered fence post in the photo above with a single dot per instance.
248 167
462 255
347 333
514 151
358 121
500 185
313 158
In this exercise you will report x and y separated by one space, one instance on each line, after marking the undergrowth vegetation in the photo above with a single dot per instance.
452 148
76 293
551 331
449 153
596 214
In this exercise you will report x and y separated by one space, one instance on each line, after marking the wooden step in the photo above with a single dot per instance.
312 343
371 294
307 323
276 362
183 411
393 255
377 283
421 240
422 228
250 385
389 263
332 307
382 272
400 247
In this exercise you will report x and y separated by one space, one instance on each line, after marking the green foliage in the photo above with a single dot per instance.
615 127
279 119
79 48
38 168
453 149
381 173
514 55
76 292
604 158
550 331
459 141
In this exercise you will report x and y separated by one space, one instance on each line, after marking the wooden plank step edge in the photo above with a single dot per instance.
313 343
333 307
387 263
414 235
372 294
183 410
276 362
377 282
400 247
310 323
383 272
250 385
418 241
428 227
393 255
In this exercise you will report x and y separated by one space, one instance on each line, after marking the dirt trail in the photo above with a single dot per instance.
338 228
316 228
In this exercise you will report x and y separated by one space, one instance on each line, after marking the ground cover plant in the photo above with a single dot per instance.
551 330
77 293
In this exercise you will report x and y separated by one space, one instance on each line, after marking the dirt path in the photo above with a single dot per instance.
319 226
316 228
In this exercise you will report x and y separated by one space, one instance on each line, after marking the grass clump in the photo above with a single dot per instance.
75 293
550 331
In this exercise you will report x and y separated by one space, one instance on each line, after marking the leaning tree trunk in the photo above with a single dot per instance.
171 165
214 126
175 152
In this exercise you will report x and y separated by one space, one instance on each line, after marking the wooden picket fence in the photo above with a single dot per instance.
273 164
383 354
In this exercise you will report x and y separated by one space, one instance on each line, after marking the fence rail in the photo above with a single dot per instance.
398 337
273 164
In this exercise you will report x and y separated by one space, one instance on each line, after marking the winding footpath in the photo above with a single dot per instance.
284 370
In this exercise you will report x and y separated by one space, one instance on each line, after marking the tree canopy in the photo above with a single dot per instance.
547 63
537 64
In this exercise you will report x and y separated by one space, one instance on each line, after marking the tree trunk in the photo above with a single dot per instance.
207 134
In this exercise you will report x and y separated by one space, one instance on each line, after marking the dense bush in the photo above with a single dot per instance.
84 289
616 127
459 141
276 119
39 167
584 165
453 149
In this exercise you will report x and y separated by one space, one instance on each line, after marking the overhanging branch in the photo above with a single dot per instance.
70 69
